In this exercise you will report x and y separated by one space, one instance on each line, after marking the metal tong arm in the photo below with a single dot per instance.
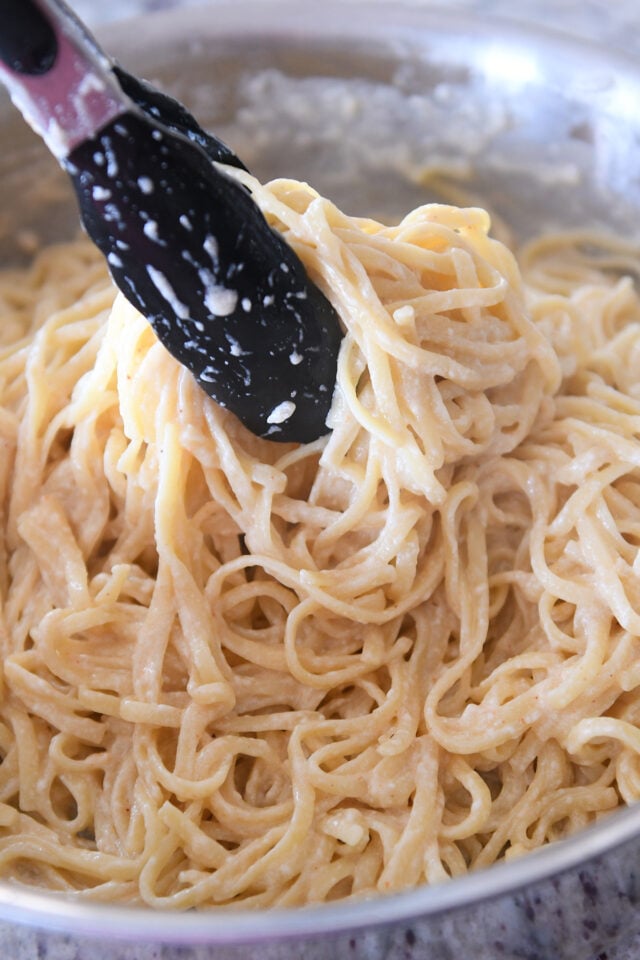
57 76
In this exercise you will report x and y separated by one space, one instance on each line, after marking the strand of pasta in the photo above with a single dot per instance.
244 674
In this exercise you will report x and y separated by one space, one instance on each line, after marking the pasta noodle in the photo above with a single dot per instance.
242 673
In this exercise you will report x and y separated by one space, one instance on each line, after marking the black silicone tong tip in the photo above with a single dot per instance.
224 292
172 114
184 241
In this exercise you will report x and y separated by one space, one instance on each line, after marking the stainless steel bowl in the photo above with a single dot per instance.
372 107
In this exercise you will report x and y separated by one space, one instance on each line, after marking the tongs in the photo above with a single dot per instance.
184 241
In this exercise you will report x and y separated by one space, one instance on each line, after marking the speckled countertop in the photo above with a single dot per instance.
615 24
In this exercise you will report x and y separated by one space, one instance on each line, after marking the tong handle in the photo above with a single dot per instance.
57 75
28 42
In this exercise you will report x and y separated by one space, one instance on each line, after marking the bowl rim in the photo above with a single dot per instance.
224 926
404 21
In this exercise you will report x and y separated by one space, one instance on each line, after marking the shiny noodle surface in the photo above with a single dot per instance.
241 673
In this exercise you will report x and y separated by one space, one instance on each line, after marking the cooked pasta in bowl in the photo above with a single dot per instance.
240 675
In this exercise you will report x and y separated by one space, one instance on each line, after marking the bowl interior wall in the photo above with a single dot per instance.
380 117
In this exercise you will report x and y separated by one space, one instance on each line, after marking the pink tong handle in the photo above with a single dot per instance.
74 92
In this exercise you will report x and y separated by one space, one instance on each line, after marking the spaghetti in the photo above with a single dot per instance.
242 673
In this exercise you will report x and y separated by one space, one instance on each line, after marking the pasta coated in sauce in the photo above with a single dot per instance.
241 673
